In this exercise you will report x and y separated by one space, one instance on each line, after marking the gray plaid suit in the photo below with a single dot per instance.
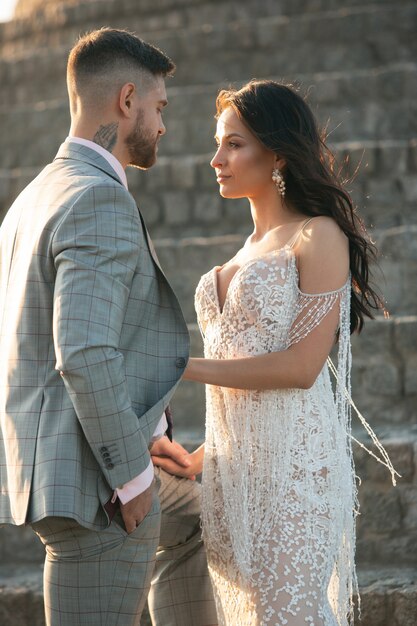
93 344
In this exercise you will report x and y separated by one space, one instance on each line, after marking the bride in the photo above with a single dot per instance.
279 494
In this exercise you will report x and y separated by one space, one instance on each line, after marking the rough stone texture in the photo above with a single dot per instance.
357 63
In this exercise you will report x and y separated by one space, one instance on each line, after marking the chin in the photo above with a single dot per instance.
230 194
144 164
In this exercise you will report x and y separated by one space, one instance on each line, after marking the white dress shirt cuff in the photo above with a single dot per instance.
136 486
139 484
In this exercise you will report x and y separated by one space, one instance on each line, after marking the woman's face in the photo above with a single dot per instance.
243 165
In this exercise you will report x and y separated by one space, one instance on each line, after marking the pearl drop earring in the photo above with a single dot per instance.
279 181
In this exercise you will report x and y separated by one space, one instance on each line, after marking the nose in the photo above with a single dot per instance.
217 160
162 130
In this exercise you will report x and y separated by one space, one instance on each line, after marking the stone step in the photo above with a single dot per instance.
355 104
179 195
48 18
355 38
366 104
388 596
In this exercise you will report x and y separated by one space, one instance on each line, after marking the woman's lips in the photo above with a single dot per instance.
221 178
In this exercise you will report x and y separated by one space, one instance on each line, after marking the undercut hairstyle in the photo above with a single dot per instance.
111 55
284 123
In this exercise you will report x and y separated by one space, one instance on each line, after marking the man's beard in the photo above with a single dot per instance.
141 145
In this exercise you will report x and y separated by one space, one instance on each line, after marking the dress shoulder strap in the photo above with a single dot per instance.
295 237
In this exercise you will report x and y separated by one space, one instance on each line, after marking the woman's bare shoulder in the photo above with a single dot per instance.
323 254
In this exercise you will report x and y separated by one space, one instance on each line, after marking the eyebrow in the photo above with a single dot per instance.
230 135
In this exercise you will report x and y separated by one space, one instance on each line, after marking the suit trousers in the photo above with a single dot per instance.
103 578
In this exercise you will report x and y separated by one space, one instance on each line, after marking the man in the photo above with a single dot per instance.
93 345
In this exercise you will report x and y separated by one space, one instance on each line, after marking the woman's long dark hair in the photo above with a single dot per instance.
279 117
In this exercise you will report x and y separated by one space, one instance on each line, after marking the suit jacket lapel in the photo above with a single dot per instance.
150 243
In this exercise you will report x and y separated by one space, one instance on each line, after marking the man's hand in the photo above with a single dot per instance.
134 511
175 459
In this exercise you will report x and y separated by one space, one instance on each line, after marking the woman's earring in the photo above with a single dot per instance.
279 181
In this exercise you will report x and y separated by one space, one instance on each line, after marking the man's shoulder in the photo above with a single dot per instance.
83 182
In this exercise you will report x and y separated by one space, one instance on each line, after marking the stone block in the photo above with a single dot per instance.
380 511
402 457
177 141
409 185
401 454
150 208
405 607
158 177
375 338
5 186
412 155
384 191
183 172
206 207
177 208
405 335
410 381
21 598
189 409
408 496
361 160
399 288
186 261
238 212
382 378
19 544
399 242
373 608
393 157
401 547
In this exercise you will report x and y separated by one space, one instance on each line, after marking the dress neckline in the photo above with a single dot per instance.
288 246
292 259
217 268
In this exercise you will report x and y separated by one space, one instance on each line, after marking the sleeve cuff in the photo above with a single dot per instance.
136 486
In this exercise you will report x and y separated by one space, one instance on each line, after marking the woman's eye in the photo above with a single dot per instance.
232 144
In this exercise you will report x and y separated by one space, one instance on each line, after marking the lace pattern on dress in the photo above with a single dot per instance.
279 493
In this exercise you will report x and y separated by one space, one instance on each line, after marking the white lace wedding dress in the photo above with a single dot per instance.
279 494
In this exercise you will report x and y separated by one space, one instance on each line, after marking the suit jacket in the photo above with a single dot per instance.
92 342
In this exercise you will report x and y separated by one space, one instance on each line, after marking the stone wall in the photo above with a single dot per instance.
357 64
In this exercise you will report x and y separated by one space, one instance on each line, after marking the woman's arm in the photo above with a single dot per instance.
323 265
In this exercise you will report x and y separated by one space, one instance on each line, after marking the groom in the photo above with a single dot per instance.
92 346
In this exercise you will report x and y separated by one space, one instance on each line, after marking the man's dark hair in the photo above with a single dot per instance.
102 52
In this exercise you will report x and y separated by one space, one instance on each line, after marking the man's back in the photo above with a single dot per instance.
74 266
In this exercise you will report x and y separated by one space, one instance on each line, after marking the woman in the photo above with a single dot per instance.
279 497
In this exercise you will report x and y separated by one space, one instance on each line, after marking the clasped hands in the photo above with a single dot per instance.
174 459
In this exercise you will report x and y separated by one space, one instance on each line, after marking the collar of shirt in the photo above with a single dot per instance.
111 160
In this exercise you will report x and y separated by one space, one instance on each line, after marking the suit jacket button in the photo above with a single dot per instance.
180 362
103 449
109 465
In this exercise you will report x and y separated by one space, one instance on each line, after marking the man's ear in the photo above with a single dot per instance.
126 95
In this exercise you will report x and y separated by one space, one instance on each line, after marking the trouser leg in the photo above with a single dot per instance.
181 592
97 578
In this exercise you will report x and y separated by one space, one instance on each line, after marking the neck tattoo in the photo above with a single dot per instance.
106 136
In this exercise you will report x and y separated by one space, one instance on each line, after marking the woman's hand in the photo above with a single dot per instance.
174 459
